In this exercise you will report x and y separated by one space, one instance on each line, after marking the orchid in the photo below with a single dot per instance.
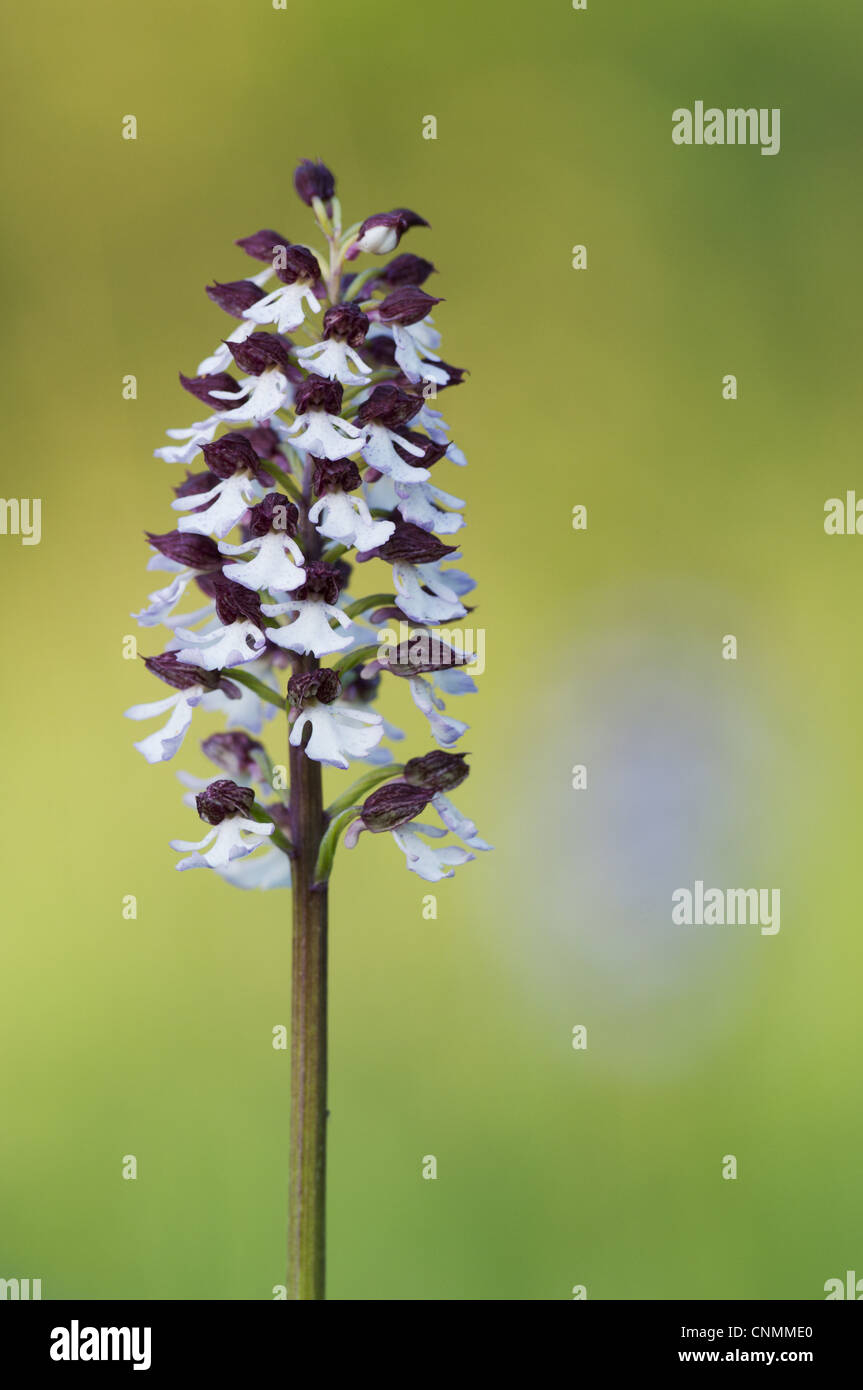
313 460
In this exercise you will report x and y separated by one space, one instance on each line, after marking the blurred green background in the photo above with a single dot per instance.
603 387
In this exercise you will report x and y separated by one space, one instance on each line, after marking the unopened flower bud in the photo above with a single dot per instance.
222 799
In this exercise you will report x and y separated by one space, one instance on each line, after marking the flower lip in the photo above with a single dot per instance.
235 604
187 548
261 351
273 513
405 306
346 322
300 264
322 581
181 675
235 296
231 454
318 393
323 685
312 179
202 386
388 406
339 475
436 771
234 751
411 544
393 805
222 799
262 245
407 270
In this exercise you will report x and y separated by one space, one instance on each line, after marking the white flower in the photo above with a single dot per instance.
162 602
414 351
459 824
430 863
325 436
233 838
201 433
446 731
347 519
310 630
437 430
231 645
335 359
259 396
379 452
419 504
340 731
283 306
442 605
162 745
229 501
273 564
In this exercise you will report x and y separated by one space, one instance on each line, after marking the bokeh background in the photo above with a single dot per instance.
705 517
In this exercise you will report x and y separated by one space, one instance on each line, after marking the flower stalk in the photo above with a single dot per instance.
315 462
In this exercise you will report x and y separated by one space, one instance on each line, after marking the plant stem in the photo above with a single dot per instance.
306 1234
308 1142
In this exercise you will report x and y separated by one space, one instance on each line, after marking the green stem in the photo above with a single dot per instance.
307 1172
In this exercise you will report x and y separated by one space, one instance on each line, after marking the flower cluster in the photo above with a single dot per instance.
316 441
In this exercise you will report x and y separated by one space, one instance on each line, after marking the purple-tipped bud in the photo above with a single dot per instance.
413 545
262 246
201 386
230 455
234 752
236 604
318 393
312 179
382 232
421 654
273 513
436 771
405 306
322 581
346 322
335 475
393 805
235 297
222 799
186 548
407 270
298 263
261 351
182 676
323 685
389 406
